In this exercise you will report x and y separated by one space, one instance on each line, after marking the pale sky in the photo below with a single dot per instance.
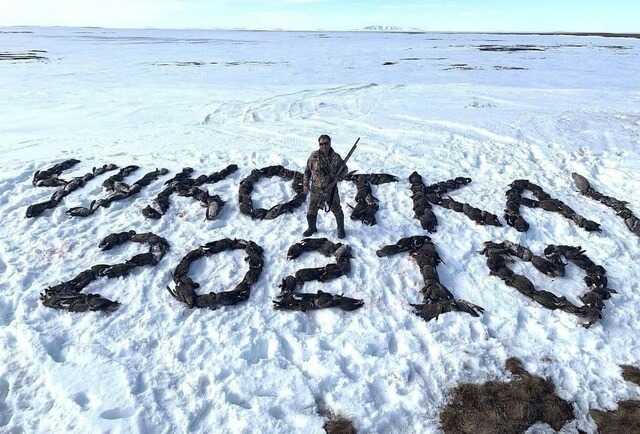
435 15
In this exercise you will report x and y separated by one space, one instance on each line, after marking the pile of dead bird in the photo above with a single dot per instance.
499 254
184 290
118 190
289 299
542 200
51 178
620 207
247 185
68 295
184 185
425 196
366 203
437 298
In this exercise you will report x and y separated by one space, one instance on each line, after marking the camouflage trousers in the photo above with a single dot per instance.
318 199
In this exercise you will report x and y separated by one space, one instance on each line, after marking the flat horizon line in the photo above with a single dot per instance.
364 30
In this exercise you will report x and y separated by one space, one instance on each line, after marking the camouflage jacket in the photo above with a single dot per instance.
321 170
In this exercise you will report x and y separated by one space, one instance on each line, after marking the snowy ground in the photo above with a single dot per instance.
132 97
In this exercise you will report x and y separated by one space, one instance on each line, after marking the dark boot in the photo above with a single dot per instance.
311 221
340 222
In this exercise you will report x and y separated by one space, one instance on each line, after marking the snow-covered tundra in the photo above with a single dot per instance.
493 108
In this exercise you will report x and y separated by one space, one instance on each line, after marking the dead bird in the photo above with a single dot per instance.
372 178
309 274
547 267
52 181
117 270
115 239
215 300
288 284
218 246
322 245
184 291
214 207
581 183
53 172
79 302
521 283
403 245
108 184
143 259
321 300
431 311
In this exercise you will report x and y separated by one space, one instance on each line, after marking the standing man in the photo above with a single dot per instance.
324 168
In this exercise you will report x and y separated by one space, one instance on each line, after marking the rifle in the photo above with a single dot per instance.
327 205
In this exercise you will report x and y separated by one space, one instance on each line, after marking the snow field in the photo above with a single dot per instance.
156 366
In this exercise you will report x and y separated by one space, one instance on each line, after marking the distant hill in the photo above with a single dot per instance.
382 28
390 29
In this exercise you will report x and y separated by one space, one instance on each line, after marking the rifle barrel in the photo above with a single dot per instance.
335 181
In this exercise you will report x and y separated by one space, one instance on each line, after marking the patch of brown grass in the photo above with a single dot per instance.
505 408
626 419
631 374
335 424
339 425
